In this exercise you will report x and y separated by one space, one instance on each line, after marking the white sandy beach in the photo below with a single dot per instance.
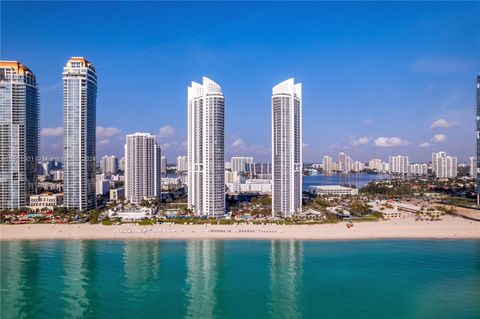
448 227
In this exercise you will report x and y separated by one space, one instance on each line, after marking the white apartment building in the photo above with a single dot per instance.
242 164
121 163
444 166
419 169
109 164
473 167
79 125
142 167
163 165
375 164
102 186
19 126
117 194
287 148
345 164
182 164
262 186
206 149
358 166
327 163
385 167
399 165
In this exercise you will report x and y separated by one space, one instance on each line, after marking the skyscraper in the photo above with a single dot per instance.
142 167
445 166
182 164
163 165
399 165
79 121
286 148
109 164
206 159
327 164
242 164
344 163
19 118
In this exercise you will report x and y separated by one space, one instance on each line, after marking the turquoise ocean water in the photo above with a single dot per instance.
240 279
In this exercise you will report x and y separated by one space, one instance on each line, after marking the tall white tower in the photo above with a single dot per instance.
79 123
19 118
142 167
287 148
206 158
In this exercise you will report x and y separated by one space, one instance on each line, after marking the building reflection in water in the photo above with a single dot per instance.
286 265
204 261
141 260
19 280
80 277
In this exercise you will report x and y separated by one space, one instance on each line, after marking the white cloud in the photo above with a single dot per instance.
166 131
107 131
52 131
390 142
360 141
441 123
425 144
443 65
437 138
368 121
239 144
103 142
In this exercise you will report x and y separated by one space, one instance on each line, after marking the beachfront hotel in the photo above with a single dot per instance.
19 125
206 138
79 108
286 148
142 167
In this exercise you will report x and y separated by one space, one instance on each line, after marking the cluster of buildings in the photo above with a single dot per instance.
143 165
204 169
442 165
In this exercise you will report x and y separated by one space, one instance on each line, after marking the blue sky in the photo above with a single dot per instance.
378 79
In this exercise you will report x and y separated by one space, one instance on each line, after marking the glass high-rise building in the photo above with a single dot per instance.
19 125
79 123
206 152
286 148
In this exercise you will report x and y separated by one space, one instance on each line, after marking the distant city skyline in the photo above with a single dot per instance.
386 79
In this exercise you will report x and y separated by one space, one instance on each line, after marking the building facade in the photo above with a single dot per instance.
79 124
327 164
109 164
444 166
142 167
19 142
182 164
286 148
399 165
206 148
242 164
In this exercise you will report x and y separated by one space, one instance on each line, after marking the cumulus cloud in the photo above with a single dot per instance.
51 131
103 132
166 131
441 123
239 144
103 142
443 65
437 138
360 141
390 142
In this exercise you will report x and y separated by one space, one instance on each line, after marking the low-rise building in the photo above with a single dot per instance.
117 194
131 214
332 190
46 200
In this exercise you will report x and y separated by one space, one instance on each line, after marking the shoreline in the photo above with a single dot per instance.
407 228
